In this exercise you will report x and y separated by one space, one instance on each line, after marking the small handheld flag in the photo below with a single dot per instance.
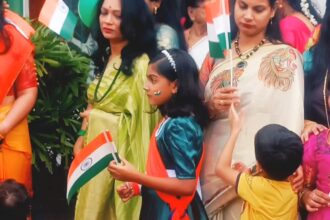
218 27
90 161
55 14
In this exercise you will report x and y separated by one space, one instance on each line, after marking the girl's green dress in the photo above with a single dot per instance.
180 144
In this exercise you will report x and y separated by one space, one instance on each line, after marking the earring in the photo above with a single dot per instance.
271 22
155 10
157 93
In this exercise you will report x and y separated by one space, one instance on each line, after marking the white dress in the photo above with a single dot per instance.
199 51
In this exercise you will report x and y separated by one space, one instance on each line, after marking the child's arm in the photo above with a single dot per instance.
223 167
174 186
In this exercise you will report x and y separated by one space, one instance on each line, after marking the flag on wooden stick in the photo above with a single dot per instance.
56 15
90 161
218 27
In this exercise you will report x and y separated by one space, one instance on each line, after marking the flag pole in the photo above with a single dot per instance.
113 150
228 43
231 67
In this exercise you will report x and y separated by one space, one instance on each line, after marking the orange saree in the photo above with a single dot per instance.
17 74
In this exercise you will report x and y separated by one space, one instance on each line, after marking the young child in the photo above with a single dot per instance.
14 201
278 153
176 147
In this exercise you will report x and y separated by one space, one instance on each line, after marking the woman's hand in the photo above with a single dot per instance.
311 127
315 199
3 130
85 116
297 179
221 100
126 191
78 146
123 171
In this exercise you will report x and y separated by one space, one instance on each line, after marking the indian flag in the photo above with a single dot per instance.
55 14
218 27
90 161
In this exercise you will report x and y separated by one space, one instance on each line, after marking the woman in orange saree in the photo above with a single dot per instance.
18 93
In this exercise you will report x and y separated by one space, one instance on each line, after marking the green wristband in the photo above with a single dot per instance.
81 132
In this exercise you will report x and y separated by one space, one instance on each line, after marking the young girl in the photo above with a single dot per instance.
176 147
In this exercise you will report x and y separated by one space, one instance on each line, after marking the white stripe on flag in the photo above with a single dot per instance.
96 156
59 16
222 24
211 33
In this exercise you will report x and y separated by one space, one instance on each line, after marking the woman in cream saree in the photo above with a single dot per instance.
270 88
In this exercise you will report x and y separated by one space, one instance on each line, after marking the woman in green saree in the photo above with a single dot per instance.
117 102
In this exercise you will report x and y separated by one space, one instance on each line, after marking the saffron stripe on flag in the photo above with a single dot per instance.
47 11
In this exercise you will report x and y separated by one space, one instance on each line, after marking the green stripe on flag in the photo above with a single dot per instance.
225 41
215 50
92 171
69 26
16 6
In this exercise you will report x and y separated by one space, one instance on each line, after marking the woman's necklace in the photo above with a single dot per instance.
325 96
95 99
243 63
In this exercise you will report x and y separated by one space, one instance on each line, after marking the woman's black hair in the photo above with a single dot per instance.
273 33
168 13
321 51
188 101
193 4
3 34
137 27
295 4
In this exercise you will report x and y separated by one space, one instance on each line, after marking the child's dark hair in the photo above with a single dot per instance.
188 101
14 201
278 150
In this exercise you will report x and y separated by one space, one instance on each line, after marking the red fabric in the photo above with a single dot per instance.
156 167
136 189
27 78
13 61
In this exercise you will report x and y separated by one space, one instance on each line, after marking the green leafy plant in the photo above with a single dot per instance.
54 121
